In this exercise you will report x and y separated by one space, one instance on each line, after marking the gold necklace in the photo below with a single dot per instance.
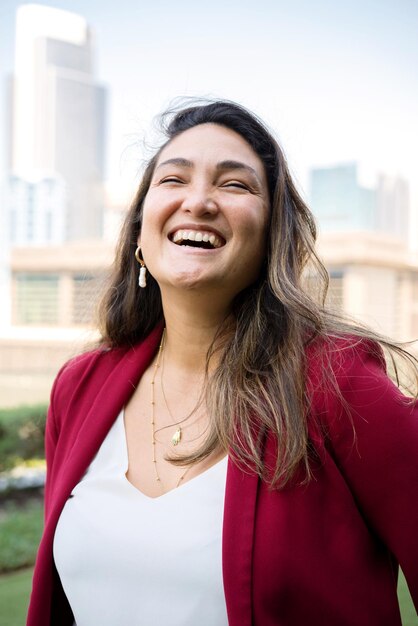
154 441
176 438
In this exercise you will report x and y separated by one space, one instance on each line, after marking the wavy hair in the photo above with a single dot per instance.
260 383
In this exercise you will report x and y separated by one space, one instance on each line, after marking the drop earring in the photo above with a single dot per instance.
142 280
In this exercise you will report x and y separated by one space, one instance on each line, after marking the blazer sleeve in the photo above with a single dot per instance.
64 387
51 439
373 437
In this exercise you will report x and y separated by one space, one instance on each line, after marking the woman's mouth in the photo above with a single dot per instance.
197 239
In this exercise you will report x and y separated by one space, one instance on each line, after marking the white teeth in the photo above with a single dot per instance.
192 235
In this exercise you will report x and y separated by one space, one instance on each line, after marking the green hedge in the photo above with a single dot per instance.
20 533
22 432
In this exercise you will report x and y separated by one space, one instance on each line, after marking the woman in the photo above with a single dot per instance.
295 455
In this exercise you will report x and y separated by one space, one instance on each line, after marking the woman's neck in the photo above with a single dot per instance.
190 331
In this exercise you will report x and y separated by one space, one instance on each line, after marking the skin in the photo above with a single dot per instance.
210 180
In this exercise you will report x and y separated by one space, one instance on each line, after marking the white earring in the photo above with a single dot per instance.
142 279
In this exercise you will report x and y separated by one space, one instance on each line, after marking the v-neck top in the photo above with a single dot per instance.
128 559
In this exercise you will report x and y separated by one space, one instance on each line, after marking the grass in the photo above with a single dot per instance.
20 532
14 597
409 615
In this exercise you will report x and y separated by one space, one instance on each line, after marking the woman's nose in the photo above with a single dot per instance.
200 202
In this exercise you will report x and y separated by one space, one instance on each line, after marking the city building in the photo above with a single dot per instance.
58 286
393 202
341 204
33 211
54 293
373 280
58 113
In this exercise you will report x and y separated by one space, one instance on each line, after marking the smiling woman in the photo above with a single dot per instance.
231 453
218 194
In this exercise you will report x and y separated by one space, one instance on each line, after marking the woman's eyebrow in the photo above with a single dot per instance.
237 165
176 161
228 164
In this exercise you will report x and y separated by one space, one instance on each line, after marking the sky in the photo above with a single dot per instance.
336 80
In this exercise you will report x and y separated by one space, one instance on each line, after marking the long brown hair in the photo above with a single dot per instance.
262 371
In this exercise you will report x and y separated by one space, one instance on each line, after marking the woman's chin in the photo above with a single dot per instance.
196 280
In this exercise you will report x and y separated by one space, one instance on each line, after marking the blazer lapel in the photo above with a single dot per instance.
237 543
111 397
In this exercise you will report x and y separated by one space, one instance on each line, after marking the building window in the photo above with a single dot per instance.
414 327
48 226
415 289
13 226
335 296
37 299
86 290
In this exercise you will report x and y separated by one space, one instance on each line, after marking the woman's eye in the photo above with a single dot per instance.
237 184
171 179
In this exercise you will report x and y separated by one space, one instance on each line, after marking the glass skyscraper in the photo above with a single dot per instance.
341 204
58 113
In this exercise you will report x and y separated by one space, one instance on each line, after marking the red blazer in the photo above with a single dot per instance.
323 554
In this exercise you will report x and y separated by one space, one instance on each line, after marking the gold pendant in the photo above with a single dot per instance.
175 439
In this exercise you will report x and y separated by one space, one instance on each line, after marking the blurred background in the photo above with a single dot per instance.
81 85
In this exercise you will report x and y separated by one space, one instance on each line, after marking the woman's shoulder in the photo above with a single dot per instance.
350 390
345 373
81 376
88 372
342 355
87 363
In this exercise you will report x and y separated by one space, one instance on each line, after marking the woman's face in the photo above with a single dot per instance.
205 214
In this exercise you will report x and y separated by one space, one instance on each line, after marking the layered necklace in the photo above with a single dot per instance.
177 436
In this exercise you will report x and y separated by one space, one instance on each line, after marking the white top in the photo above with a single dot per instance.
127 559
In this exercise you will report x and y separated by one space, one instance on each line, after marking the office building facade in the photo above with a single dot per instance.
341 204
33 211
58 113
